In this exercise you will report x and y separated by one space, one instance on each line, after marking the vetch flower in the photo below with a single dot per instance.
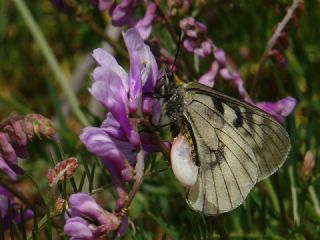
128 98
87 220
208 78
279 109
307 165
220 56
14 136
8 158
61 170
116 140
196 39
144 25
99 142
124 13
143 68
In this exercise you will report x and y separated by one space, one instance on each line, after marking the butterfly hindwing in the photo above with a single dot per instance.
237 145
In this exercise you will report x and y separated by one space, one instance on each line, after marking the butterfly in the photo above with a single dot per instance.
234 145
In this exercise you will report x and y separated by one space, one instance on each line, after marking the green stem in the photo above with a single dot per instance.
294 196
314 199
51 59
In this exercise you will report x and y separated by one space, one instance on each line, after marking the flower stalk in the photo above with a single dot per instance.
271 43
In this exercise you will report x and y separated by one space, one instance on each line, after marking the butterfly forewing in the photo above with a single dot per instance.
237 145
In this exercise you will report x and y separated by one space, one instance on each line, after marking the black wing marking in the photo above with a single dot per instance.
228 169
237 144
268 139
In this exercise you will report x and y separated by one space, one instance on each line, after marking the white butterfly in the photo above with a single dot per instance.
233 146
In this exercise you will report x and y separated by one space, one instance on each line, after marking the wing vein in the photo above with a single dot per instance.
215 189
253 182
254 163
236 180
225 183
276 146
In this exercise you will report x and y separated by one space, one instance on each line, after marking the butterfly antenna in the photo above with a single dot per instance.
178 50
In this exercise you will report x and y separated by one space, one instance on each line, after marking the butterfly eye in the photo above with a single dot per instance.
182 163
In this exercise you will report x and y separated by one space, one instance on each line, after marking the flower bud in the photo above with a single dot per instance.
63 169
307 165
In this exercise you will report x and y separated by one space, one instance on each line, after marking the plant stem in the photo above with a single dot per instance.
138 178
271 44
51 59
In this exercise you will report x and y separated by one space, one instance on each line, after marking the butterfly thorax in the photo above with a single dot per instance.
174 110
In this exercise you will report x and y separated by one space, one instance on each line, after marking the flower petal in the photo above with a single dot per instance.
208 78
144 25
109 90
135 47
78 229
82 204
279 109
225 73
4 167
99 142
105 59
150 70
123 13
113 128
220 56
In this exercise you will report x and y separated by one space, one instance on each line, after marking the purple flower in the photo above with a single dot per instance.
144 25
99 142
220 65
143 68
8 158
87 220
117 140
279 109
123 13
6 199
196 39
220 56
208 78
110 87
14 136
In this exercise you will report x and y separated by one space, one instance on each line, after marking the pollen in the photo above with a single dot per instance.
187 135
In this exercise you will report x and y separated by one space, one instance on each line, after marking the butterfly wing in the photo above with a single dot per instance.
237 145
